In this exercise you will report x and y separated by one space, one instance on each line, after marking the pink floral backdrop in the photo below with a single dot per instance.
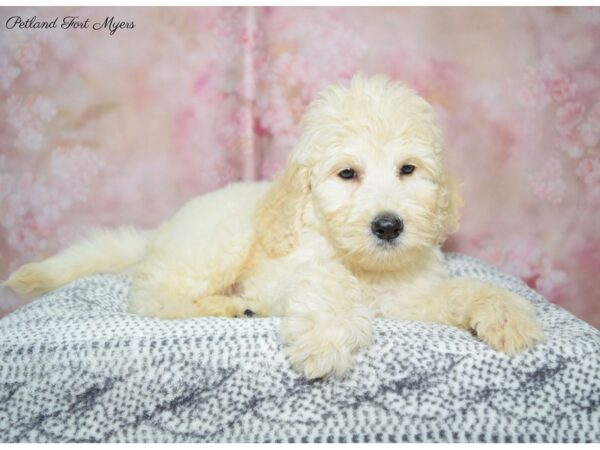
101 129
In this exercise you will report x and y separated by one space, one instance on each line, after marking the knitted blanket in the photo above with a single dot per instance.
75 366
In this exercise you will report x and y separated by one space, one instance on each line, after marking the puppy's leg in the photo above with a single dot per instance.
171 300
174 285
104 250
197 254
503 320
325 325
229 306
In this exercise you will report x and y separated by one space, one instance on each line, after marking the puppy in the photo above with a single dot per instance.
349 232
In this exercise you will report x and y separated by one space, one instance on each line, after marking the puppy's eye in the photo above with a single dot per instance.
407 169
347 174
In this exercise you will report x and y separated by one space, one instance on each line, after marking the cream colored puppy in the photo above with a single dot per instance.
351 231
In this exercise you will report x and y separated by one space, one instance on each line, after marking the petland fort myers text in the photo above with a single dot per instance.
110 24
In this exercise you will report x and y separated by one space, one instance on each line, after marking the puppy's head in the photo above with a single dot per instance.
369 161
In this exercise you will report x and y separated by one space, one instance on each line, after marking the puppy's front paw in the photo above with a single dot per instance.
322 349
320 361
507 323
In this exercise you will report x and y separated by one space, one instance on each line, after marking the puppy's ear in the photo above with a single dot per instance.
279 216
449 204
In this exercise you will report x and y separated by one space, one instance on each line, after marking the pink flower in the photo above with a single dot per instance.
8 74
588 171
28 115
36 203
568 116
545 82
526 259
571 147
44 109
561 88
588 133
534 91
28 54
547 183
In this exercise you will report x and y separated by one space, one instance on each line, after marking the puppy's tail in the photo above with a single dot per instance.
103 251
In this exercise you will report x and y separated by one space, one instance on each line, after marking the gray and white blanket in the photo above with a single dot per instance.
75 366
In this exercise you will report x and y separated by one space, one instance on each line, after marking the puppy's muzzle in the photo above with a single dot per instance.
387 226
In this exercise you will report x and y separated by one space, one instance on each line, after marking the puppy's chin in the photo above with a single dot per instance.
377 255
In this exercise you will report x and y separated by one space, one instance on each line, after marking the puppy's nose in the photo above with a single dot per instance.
387 226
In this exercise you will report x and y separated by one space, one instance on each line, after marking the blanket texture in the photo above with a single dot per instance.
75 366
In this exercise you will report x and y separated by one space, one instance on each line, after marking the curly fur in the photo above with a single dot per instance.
301 247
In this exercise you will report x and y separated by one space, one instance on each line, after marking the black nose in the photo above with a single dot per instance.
387 226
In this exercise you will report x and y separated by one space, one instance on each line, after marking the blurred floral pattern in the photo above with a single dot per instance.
101 129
